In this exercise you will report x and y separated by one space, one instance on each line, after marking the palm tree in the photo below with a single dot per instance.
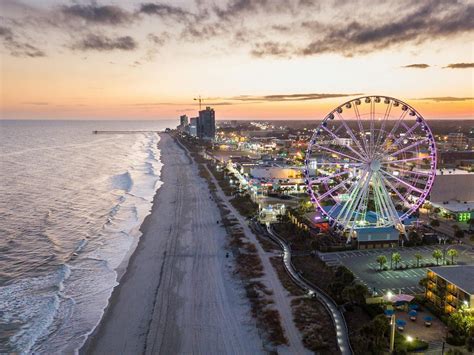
424 283
437 254
418 257
396 257
382 260
453 253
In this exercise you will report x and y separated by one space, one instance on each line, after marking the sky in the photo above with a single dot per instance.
257 59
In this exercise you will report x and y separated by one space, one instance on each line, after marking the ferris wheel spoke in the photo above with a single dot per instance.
413 145
354 199
397 123
348 146
334 189
362 203
341 164
350 200
328 177
361 129
403 182
338 153
384 121
394 189
372 132
352 135
402 160
388 202
413 172
407 133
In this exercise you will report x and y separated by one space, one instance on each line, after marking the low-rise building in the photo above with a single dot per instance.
451 287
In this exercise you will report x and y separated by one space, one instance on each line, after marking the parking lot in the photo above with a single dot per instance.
366 269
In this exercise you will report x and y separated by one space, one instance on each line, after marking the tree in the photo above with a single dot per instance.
418 257
471 224
396 257
355 293
424 283
382 260
453 253
437 254
434 223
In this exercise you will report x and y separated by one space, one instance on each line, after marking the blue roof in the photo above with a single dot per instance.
370 216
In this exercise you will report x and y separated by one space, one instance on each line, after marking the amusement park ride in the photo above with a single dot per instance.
370 163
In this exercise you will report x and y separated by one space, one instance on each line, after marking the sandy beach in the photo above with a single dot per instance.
177 295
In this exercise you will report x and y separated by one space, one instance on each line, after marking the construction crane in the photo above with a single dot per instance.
200 101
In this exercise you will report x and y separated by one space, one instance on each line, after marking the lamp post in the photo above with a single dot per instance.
392 333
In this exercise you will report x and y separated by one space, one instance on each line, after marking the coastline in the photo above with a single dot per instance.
176 282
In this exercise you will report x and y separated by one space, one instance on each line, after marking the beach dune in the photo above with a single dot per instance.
177 295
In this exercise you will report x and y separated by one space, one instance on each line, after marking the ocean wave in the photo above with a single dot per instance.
32 304
55 313
122 181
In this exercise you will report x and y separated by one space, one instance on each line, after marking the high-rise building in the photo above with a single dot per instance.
206 125
193 127
183 120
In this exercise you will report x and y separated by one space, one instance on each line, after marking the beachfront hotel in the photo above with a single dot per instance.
451 288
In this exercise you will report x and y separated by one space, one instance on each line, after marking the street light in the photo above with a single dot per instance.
409 339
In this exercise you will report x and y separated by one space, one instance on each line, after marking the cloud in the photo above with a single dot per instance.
460 65
236 9
18 48
290 97
96 14
159 39
432 20
165 11
446 99
104 43
417 66
271 48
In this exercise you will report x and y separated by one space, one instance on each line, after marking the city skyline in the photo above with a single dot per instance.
148 60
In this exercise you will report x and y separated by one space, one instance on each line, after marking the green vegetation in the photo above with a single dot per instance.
245 205
453 253
461 328
404 344
396 258
434 223
372 337
437 254
381 260
418 257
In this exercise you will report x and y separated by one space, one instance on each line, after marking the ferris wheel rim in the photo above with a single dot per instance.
421 121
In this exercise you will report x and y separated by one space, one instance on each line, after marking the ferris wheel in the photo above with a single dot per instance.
371 162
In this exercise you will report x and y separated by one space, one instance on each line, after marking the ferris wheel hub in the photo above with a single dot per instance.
375 165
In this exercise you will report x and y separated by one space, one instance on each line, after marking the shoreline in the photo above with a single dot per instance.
121 270
156 290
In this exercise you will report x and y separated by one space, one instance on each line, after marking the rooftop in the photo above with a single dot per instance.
460 275
455 206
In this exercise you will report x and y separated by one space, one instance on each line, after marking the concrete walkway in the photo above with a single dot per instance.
342 332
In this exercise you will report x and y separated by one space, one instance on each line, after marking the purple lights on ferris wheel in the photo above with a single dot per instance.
389 154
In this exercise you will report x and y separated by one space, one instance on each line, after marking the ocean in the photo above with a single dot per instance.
71 205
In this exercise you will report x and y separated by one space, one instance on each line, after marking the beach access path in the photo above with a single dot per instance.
177 295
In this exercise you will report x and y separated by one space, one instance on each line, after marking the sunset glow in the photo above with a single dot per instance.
134 60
